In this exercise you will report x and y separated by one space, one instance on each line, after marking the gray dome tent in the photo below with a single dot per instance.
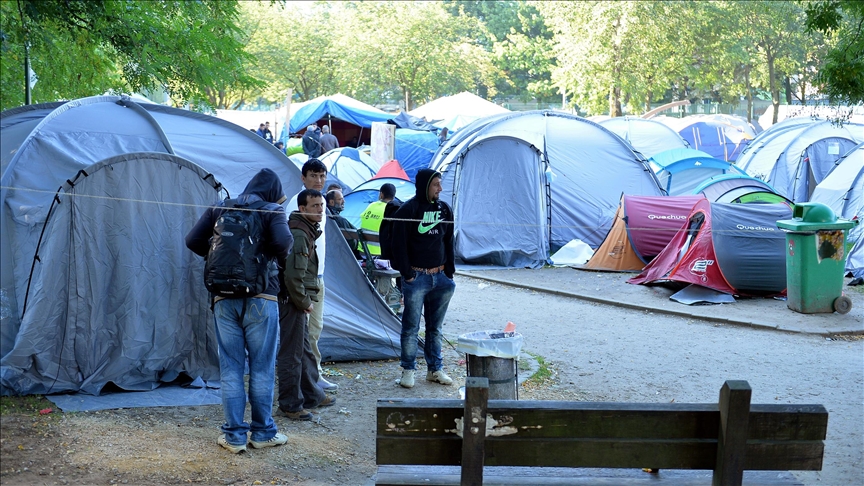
524 184
796 155
649 137
112 294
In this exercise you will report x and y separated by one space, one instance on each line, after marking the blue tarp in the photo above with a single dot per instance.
414 150
337 106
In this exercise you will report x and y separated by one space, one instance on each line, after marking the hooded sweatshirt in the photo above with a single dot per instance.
264 186
425 240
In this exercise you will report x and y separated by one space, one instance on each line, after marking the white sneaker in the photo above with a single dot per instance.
326 385
407 380
274 441
439 377
234 449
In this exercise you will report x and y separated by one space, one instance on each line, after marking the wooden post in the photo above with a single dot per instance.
474 430
732 438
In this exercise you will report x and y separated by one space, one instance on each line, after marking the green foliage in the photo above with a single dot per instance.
840 76
83 47
617 56
24 405
415 49
292 48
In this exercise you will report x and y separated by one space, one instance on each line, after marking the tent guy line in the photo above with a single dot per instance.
485 223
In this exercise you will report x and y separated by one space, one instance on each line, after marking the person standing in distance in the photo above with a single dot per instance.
247 328
312 143
422 252
328 140
314 176
373 215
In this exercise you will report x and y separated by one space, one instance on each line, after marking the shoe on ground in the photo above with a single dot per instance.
328 401
299 415
407 380
439 377
326 385
233 449
274 441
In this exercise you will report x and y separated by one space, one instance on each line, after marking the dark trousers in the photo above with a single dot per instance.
296 368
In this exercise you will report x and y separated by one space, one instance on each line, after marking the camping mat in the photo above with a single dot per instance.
164 396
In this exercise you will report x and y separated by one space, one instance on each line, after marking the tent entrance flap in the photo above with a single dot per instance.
511 195
127 307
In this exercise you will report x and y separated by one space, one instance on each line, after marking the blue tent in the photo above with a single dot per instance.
351 166
337 106
681 170
97 285
722 140
367 193
414 150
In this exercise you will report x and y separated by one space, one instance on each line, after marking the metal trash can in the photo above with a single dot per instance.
493 355
815 259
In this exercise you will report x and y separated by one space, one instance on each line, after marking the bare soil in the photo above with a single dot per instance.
177 445
592 352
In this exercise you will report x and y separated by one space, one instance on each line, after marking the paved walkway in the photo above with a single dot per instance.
613 289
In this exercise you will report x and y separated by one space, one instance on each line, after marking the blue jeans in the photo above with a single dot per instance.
256 337
431 294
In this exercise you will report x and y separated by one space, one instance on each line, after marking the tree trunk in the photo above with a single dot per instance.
648 101
803 85
408 100
787 84
615 101
749 94
772 85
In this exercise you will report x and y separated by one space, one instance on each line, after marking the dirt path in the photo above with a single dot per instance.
597 352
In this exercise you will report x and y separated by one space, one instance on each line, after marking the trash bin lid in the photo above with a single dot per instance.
814 216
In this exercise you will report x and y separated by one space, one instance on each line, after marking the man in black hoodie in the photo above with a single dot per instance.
422 251
249 326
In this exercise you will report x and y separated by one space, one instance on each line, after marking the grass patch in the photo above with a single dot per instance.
24 405
543 376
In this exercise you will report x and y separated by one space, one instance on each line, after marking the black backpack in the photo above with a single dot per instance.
236 266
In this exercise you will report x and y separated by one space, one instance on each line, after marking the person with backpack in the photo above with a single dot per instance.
243 240
296 367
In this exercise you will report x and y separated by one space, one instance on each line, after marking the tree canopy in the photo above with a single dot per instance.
605 57
82 47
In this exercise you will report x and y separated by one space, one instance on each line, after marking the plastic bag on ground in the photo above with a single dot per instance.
575 252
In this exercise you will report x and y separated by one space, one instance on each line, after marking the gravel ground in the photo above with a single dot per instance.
596 352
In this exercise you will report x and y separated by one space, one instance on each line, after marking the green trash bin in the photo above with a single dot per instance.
815 259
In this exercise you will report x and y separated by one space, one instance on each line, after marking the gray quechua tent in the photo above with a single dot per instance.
524 184
97 285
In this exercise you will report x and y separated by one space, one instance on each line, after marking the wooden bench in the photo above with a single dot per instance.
381 278
541 442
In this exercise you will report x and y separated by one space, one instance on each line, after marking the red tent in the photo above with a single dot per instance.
689 257
731 248
392 169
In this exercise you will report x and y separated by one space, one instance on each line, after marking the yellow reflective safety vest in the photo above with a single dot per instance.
371 220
